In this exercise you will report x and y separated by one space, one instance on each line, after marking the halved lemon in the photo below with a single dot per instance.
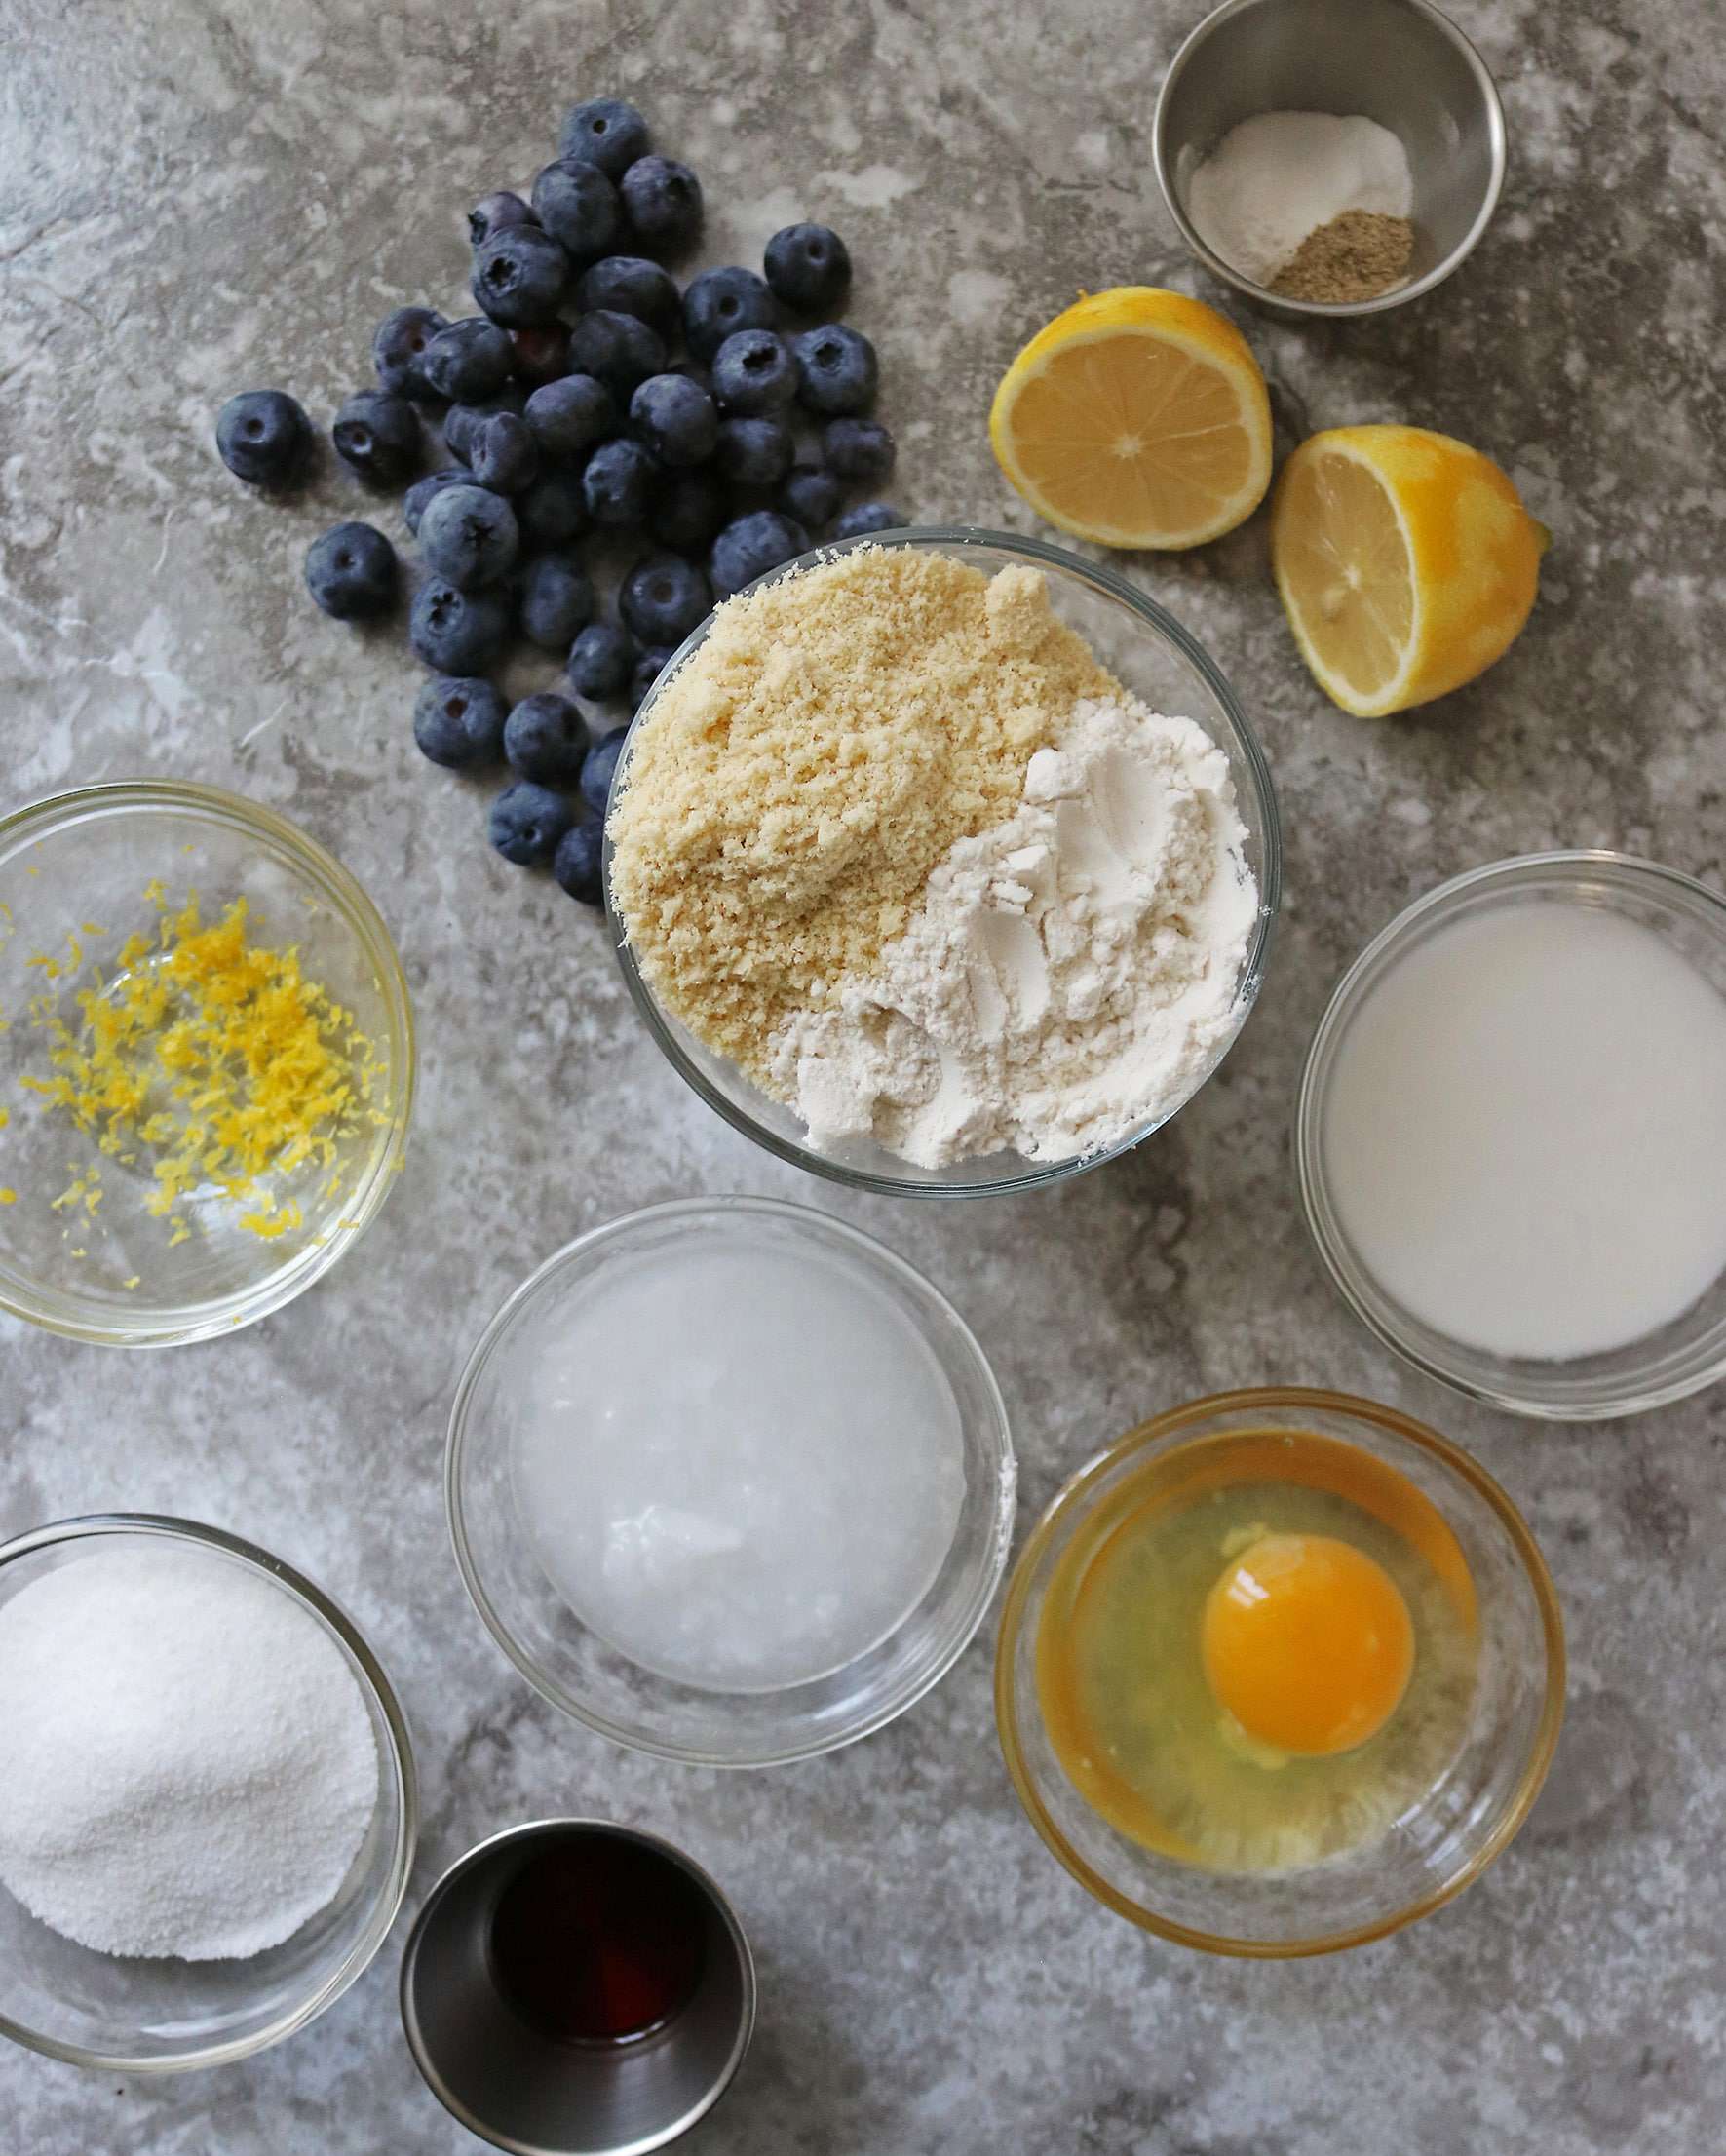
1406 564
1137 418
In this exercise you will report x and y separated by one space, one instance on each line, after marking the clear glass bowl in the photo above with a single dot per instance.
1434 1850
81 862
1680 1358
146 2016
572 1666
1155 658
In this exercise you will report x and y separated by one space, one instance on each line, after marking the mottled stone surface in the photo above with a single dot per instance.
196 198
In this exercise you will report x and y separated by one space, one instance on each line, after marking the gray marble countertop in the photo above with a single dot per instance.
203 195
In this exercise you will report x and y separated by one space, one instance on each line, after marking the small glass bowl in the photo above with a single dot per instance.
141 2016
1156 658
1433 1851
74 871
1680 1358
572 1666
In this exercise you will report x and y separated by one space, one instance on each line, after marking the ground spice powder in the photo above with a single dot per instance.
1357 256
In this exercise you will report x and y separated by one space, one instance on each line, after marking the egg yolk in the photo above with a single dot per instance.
1308 1643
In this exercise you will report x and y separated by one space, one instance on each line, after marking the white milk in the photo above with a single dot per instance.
1526 1132
740 1467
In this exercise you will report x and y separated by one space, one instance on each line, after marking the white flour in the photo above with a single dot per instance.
1274 179
1070 973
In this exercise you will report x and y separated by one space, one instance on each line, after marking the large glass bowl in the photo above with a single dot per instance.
1439 1845
570 1664
136 2016
75 874
1156 658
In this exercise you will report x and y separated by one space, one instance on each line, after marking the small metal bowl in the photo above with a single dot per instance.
1398 61
528 2094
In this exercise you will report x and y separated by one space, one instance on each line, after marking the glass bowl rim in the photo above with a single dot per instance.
59 812
1152 617
398 1755
988 1577
1175 1422
1630 872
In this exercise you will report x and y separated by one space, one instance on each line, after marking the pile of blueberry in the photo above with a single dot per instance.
565 413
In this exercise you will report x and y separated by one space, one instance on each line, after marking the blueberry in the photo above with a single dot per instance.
542 353
808 267
457 632
599 661
617 350
496 212
858 449
662 202
459 723
577 205
865 518
836 370
545 739
631 285
262 437
423 491
468 536
462 422
754 452
553 510
468 362
811 495
399 350
578 863
596 773
526 823
569 416
519 276
504 453
749 546
662 598
645 672
350 572
377 437
675 418
687 511
555 600
617 484
720 302
753 373
604 131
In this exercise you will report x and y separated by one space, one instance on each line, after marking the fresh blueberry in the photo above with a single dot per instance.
810 495
808 267
459 723
553 510
749 546
836 370
496 212
753 373
596 773
542 353
865 518
350 572
262 435
519 276
414 502
645 672
662 598
599 661
663 200
526 823
578 863
399 350
720 302
462 422
631 285
604 131
555 599
545 739
577 205
456 631
468 362
859 450
468 536
675 418
377 437
504 453
617 350
754 452
687 511
569 416
617 484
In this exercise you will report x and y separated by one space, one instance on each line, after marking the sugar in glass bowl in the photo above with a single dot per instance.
1156 660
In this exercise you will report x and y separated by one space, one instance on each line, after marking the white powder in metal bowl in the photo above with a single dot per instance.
189 1762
